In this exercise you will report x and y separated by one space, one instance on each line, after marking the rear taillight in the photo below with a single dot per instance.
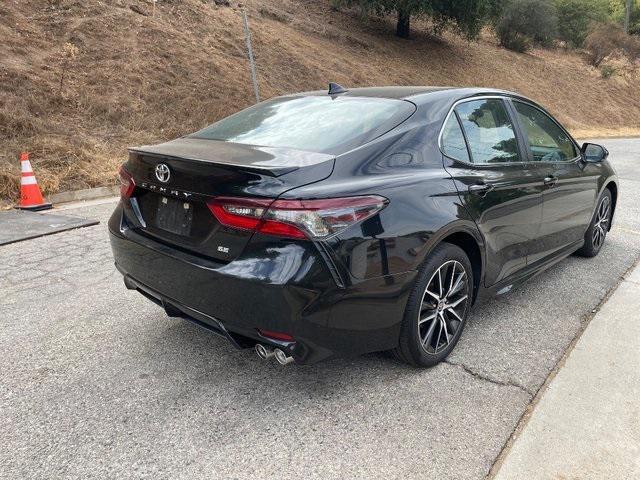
127 184
314 219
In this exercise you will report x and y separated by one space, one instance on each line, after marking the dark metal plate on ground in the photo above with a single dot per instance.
18 225
175 216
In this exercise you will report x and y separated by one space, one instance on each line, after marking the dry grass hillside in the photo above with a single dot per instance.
80 80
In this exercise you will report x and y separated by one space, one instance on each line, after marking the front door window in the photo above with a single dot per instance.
547 141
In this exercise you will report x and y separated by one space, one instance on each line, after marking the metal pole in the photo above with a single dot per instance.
247 34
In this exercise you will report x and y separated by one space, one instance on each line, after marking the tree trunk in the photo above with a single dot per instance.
402 29
627 15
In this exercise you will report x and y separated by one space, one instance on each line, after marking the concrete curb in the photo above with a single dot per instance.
494 473
585 423
85 194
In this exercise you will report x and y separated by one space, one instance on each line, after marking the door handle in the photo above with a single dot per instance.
550 181
480 189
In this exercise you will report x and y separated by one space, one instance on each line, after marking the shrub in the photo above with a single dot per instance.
608 38
632 47
525 22
576 17
516 42
494 10
607 71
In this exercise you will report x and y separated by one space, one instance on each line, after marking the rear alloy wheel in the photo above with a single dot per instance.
597 231
437 308
446 295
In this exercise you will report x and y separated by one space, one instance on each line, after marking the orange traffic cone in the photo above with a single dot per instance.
30 196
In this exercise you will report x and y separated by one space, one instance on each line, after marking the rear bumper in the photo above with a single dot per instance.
287 289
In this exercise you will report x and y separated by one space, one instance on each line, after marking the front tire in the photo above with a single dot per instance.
598 228
437 308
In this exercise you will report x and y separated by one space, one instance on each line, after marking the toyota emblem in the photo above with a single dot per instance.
163 173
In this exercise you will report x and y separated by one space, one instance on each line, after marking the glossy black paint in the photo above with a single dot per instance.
346 295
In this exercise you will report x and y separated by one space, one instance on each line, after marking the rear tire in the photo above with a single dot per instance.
597 232
437 309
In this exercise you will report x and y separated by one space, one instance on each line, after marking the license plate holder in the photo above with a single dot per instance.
175 216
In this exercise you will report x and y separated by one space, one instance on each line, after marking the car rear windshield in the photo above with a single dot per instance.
323 124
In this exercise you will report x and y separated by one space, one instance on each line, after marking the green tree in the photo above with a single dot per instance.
576 17
465 16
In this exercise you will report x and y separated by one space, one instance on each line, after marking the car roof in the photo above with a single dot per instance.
417 94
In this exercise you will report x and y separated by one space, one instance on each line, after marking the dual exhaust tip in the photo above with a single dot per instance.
265 353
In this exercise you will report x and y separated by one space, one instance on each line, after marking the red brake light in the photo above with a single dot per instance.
314 219
281 229
127 184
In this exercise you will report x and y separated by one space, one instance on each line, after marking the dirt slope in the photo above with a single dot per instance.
132 79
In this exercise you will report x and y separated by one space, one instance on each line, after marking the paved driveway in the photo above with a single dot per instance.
96 382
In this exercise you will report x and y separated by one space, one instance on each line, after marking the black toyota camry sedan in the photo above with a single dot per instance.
334 223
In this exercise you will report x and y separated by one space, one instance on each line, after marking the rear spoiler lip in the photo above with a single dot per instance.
271 171
267 166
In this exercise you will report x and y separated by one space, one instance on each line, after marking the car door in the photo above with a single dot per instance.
570 190
498 187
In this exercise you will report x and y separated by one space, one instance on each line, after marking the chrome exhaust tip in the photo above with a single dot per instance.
282 357
264 352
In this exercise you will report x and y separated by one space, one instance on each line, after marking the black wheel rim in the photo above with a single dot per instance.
601 224
443 307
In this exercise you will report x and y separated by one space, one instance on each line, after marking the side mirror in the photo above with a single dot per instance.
592 152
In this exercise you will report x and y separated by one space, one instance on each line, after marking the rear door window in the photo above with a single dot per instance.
548 142
489 131
453 143
324 124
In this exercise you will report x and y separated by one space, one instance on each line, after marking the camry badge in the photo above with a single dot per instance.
162 172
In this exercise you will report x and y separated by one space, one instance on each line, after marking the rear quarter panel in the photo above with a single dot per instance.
405 166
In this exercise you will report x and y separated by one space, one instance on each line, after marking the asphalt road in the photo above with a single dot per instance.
96 382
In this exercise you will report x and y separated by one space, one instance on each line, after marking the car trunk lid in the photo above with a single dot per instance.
174 180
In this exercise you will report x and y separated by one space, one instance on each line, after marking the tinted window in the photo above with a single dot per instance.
453 144
489 131
547 140
316 123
